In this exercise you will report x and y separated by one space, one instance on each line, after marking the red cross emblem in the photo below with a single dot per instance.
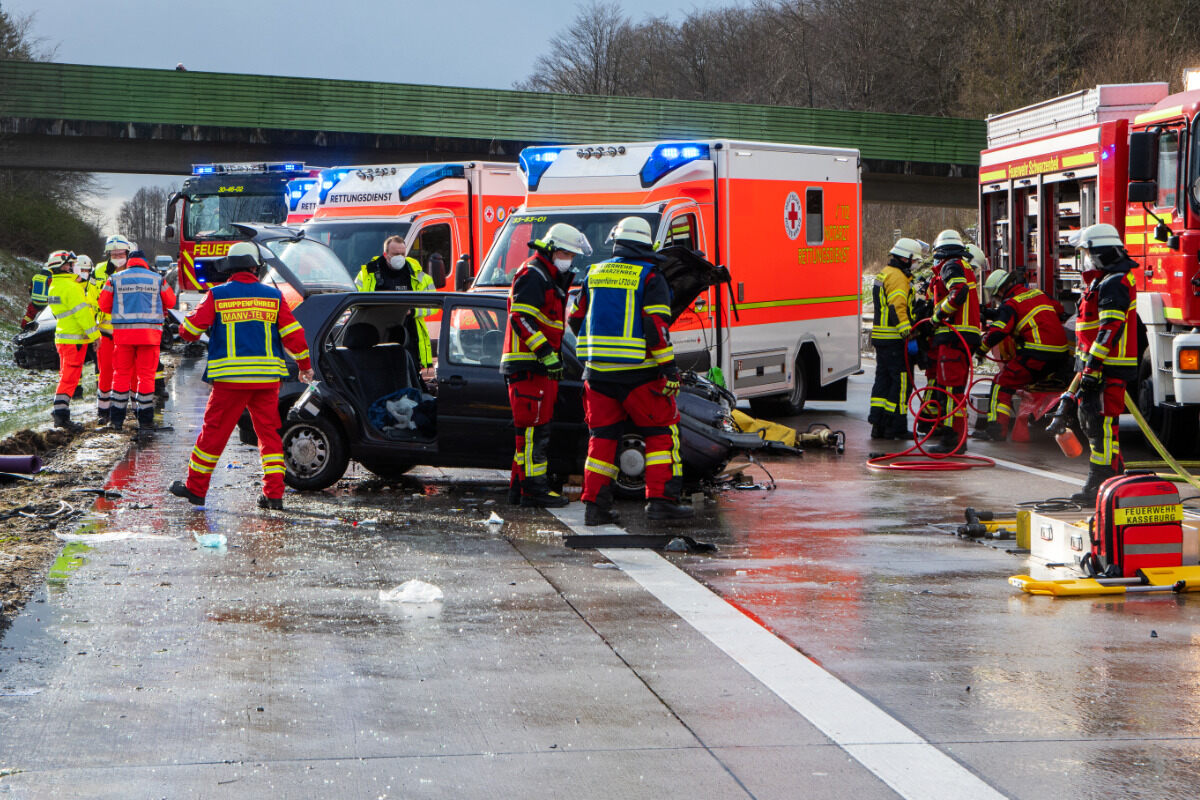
793 219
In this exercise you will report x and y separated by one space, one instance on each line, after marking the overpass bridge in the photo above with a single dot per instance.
120 119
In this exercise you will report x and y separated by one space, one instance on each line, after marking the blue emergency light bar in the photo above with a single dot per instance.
429 175
329 178
535 161
250 166
297 189
669 157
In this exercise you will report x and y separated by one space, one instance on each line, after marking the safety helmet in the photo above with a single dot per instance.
1093 236
243 256
562 236
83 266
978 259
117 242
947 238
60 259
634 230
907 248
997 283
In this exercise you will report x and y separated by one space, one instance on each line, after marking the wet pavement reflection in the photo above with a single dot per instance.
271 663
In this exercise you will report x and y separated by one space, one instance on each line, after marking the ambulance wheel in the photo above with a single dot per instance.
314 453
631 461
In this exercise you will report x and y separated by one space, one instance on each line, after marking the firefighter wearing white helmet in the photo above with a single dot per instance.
892 295
956 329
244 367
532 364
1034 322
395 271
1106 352
622 317
74 330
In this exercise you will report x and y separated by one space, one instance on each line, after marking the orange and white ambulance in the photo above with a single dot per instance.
785 219
446 212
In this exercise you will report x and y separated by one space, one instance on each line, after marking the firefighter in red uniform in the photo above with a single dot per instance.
955 322
137 298
622 318
1034 322
1106 353
531 363
250 327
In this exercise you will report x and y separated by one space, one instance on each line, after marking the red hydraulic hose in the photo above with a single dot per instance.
934 462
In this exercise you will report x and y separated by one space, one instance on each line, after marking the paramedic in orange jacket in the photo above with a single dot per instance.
244 367
136 298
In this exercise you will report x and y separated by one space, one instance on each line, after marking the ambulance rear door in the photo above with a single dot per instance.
790 220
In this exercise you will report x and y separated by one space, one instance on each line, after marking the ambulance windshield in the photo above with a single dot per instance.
211 216
511 248
355 243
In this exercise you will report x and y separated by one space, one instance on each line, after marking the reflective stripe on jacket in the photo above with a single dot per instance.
70 306
137 300
1106 329
613 338
244 343
893 305
536 314
949 277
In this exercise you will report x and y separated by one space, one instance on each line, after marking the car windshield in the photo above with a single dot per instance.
314 264
511 248
355 243
211 216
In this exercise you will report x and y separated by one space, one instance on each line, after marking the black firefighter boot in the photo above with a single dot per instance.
116 416
101 416
145 420
667 509
1097 475
536 491
600 511
62 419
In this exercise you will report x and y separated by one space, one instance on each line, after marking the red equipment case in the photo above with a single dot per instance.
1138 524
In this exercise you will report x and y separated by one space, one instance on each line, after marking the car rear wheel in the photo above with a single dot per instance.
315 454
631 461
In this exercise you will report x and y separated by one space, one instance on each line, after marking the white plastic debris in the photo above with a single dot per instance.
214 540
412 591
495 519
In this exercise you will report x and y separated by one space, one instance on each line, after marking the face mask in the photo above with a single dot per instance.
117 262
563 264
397 262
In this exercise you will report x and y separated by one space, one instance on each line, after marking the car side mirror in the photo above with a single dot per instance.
436 266
169 233
462 273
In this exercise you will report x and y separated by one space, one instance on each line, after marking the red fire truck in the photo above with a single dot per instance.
785 219
218 195
1127 155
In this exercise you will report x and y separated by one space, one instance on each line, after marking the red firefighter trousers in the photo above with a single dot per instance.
531 398
104 371
607 406
133 367
225 405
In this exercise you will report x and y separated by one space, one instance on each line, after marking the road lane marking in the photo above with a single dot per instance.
1041 473
894 753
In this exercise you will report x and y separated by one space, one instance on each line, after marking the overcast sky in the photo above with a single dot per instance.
485 43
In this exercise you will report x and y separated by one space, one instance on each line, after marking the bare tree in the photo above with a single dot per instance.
588 57
142 217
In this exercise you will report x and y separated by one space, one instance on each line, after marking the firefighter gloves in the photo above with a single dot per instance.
553 365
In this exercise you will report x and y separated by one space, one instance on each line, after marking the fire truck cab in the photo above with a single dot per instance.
1127 155
785 219
215 197
447 213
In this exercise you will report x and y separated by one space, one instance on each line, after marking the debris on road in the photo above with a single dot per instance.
412 591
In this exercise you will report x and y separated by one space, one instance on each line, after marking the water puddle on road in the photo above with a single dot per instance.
72 557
